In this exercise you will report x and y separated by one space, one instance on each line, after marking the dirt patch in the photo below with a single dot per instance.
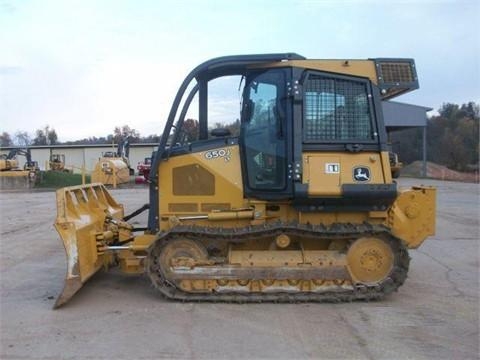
440 172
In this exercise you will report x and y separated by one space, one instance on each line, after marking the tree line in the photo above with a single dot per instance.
452 137
48 136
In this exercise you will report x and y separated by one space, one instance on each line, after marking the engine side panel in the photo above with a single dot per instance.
200 183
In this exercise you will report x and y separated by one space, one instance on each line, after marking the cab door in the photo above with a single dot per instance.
265 137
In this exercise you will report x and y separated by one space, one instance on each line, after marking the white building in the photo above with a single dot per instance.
77 156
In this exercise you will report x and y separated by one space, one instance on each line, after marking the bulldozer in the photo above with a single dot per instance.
300 206
113 167
12 176
57 163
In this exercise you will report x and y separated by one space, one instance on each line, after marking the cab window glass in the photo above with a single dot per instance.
263 124
336 110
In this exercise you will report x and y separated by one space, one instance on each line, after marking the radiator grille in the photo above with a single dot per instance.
182 207
191 180
397 72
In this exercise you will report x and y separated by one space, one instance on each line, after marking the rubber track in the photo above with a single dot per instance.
239 235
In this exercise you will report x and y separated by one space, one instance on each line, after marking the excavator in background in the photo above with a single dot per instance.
113 167
301 206
9 162
12 176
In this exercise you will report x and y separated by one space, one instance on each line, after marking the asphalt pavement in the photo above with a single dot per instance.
434 315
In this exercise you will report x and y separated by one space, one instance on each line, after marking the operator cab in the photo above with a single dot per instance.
297 118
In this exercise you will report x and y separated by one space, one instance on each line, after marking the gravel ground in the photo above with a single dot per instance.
434 315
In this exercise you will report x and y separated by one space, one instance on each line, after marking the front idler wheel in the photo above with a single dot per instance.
370 260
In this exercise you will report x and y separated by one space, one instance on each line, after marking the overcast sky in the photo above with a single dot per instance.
84 67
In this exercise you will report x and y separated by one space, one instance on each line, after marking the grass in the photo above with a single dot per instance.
58 179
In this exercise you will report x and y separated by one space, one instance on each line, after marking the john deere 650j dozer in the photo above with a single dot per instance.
301 206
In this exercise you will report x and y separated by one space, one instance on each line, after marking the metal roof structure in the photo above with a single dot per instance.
398 116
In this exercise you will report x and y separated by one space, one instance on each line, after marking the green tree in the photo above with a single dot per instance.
52 137
407 144
5 139
191 129
40 137
22 138
454 136
125 132
45 136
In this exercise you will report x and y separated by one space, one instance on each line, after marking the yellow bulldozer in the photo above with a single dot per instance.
57 163
12 176
301 206
113 168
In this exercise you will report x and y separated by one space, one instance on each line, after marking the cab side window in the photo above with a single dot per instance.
336 110
264 138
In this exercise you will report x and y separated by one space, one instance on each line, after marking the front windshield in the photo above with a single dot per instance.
224 97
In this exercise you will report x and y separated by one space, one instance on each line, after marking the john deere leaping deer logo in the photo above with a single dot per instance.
361 173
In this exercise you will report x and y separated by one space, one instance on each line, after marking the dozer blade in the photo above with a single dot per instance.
81 214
